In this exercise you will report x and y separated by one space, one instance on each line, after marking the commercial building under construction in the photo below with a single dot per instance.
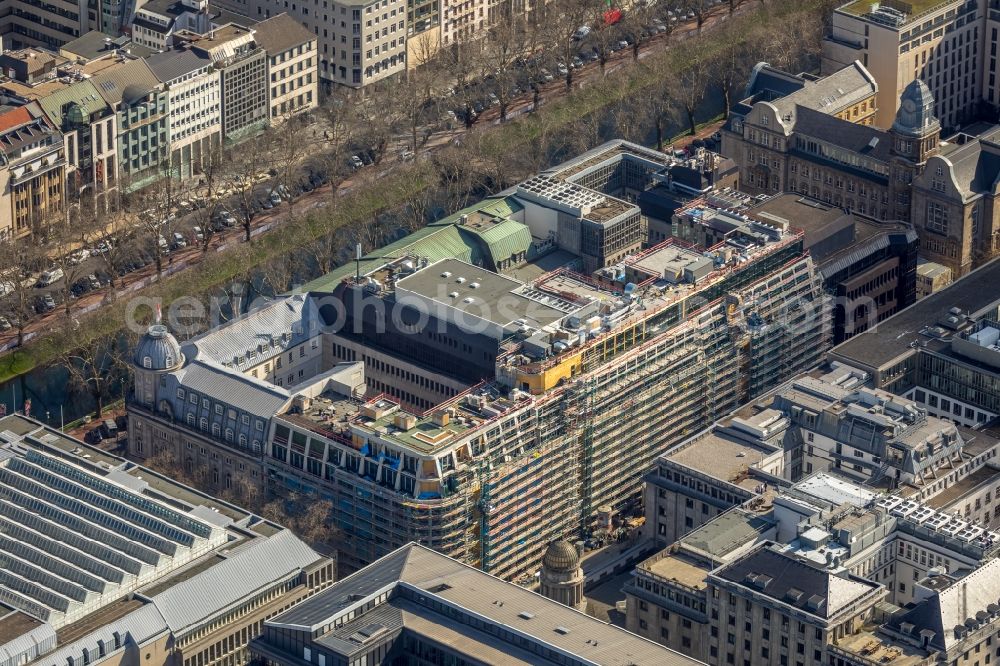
488 384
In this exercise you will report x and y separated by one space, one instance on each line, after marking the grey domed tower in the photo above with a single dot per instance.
562 577
916 135
157 351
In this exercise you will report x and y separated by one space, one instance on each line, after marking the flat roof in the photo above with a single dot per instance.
876 649
673 258
15 624
679 568
427 574
862 7
803 212
479 293
956 490
892 338
719 455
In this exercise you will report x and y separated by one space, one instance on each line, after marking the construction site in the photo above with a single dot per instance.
593 380
505 377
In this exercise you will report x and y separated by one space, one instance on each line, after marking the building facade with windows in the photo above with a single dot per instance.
948 44
935 352
33 176
357 43
194 90
442 432
292 66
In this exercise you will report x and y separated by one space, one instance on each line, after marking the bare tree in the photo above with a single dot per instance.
95 367
243 170
506 43
564 18
19 258
730 63
692 83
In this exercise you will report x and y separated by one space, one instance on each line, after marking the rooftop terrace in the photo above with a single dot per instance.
911 8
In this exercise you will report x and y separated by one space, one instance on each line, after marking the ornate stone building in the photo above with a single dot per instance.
562 577
946 189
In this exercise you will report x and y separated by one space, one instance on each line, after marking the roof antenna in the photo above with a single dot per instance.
357 260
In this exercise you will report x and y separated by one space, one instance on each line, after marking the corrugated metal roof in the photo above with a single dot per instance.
141 625
213 590
294 317
83 93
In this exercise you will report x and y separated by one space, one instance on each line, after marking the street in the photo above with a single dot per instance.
143 271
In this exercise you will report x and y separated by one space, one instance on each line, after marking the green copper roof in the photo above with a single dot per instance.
503 239
444 240
83 94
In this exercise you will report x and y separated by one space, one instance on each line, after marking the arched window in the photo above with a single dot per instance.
147 362
190 420
229 434
243 441
216 429
203 423
215 475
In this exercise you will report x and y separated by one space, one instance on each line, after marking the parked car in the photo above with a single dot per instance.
93 436
5 324
102 247
406 154
50 277
178 240
199 234
356 162
45 304
79 256
274 198
581 32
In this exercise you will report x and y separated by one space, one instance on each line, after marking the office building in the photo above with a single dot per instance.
358 43
33 172
242 67
480 413
940 352
417 606
194 92
904 173
139 102
827 570
292 66
948 44
156 23
106 562
868 266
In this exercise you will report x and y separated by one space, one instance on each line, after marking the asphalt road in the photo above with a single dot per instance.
182 258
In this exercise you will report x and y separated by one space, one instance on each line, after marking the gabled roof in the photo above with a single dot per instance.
250 568
280 33
855 138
